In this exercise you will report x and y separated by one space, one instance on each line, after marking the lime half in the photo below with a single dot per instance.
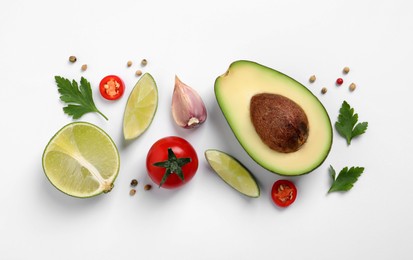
81 160
140 107
233 172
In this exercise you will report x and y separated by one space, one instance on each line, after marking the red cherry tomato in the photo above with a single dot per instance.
111 87
171 162
283 193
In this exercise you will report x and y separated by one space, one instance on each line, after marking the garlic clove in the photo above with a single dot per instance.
188 109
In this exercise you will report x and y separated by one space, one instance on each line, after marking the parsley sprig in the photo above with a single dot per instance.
347 123
345 179
79 98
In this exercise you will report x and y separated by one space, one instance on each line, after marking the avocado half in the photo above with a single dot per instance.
234 90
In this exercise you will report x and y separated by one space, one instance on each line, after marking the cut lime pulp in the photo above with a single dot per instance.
140 108
233 172
81 160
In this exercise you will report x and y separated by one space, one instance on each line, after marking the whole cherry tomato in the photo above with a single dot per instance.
283 193
111 87
171 162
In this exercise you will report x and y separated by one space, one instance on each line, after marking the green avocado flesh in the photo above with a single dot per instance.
234 91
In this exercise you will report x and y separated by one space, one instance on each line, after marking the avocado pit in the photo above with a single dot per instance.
280 122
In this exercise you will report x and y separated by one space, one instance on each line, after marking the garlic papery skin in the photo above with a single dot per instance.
188 109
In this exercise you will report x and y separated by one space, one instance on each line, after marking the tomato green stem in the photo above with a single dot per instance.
172 165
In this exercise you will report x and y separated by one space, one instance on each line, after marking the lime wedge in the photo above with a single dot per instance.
233 173
140 108
81 160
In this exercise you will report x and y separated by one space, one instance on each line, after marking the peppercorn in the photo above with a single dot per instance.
129 63
346 70
147 187
72 59
312 79
144 62
323 90
134 183
339 81
138 73
84 67
352 87
132 192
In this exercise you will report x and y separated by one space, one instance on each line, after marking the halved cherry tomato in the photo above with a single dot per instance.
283 193
171 162
111 87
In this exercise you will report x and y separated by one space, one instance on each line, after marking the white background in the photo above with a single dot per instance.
197 41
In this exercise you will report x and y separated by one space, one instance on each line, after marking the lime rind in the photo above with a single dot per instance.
140 108
81 160
233 172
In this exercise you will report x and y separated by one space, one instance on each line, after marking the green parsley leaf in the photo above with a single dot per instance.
345 179
347 123
79 98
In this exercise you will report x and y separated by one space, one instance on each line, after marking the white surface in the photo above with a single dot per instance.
197 41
